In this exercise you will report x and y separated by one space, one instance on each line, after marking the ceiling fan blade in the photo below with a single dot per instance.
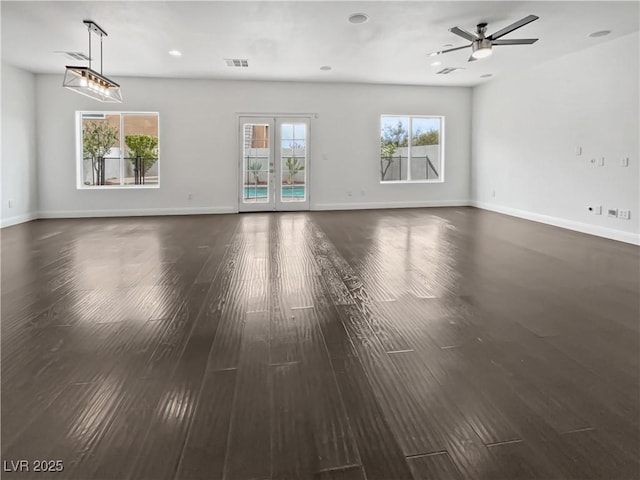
519 41
472 59
463 33
512 27
433 54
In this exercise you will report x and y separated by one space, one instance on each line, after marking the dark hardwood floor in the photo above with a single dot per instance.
444 343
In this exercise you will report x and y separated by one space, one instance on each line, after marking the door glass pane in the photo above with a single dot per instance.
255 155
293 160
101 149
141 149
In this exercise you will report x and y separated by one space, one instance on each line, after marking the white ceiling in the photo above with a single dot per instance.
292 40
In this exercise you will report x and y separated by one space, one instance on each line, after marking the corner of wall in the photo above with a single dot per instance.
19 188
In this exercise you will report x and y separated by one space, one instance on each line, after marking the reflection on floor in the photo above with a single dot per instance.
426 343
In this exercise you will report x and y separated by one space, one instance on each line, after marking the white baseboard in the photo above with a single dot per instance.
383 205
620 235
15 220
143 212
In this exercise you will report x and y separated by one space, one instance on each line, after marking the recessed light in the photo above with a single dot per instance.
325 68
486 75
358 18
600 33
175 53
435 64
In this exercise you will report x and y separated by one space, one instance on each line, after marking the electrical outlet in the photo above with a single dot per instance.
349 193
595 210
624 214
578 151
593 161
12 203
624 162
601 162
190 196
612 212
493 194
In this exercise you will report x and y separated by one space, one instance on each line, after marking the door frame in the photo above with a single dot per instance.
274 120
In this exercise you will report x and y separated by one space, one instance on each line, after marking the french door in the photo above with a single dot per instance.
274 164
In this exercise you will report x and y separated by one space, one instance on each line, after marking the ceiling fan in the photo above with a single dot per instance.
481 45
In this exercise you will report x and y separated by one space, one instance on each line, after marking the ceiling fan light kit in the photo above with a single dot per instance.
88 82
481 48
482 45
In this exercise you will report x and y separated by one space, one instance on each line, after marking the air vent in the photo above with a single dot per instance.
237 62
76 56
448 70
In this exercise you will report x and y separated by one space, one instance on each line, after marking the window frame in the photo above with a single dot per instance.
441 118
80 151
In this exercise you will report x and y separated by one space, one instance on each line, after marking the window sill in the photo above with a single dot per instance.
118 187
386 182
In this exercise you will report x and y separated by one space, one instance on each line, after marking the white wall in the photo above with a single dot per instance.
18 160
199 146
526 128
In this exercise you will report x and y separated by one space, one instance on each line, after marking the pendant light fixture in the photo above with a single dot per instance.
87 81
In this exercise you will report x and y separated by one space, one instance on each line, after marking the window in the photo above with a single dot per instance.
118 149
411 148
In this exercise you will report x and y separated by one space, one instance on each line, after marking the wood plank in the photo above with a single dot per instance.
161 451
204 452
162 446
451 403
600 402
283 340
174 338
517 461
436 466
225 351
249 451
328 420
73 423
540 396
227 300
337 340
293 454
354 472
117 452
405 416
600 458
380 453
535 428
